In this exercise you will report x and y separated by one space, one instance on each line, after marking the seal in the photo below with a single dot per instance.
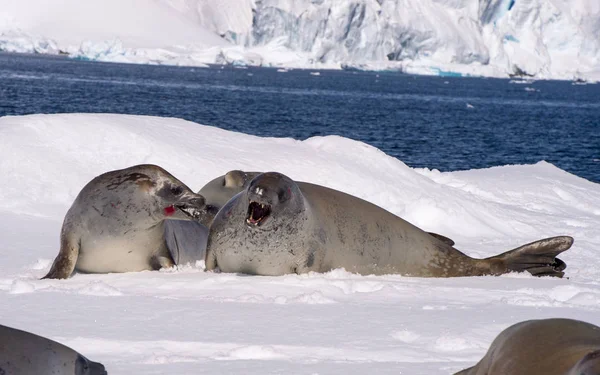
116 223
24 353
542 347
186 240
277 226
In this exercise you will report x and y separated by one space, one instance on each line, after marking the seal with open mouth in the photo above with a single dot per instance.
24 353
277 226
542 347
116 223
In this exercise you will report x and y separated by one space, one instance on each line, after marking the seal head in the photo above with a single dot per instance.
270 221
273 201
221 189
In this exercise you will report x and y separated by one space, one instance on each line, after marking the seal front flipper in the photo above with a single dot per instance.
65 261
537 258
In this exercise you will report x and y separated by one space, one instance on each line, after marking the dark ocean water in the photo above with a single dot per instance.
446 123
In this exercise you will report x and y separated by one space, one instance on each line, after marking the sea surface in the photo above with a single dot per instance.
445 123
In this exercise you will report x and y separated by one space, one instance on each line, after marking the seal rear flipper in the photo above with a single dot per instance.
537 258
65 261
186 240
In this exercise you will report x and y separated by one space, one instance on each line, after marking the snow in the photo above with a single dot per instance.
547 39
186 321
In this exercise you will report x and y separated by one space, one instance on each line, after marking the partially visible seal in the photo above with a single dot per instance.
186 240
542 347
277 226
221 189
23 353
116 223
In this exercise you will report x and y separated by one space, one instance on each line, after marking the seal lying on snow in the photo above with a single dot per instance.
23 353
276 226
542 347
116 222
186 240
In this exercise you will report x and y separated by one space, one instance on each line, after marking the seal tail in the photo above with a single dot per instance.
538 258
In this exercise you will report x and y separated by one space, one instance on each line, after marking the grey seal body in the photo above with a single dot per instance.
277 226
186 240
24 353
542 347
116 223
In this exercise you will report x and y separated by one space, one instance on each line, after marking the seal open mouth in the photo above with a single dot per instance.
190 211
257 213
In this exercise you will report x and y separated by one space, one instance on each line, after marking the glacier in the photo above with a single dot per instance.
544 39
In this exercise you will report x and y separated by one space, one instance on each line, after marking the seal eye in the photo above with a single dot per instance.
176 190
283 195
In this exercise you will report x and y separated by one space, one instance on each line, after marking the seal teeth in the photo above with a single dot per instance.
257 213
190 211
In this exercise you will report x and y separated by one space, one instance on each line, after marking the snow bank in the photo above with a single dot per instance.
557 39
185 321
